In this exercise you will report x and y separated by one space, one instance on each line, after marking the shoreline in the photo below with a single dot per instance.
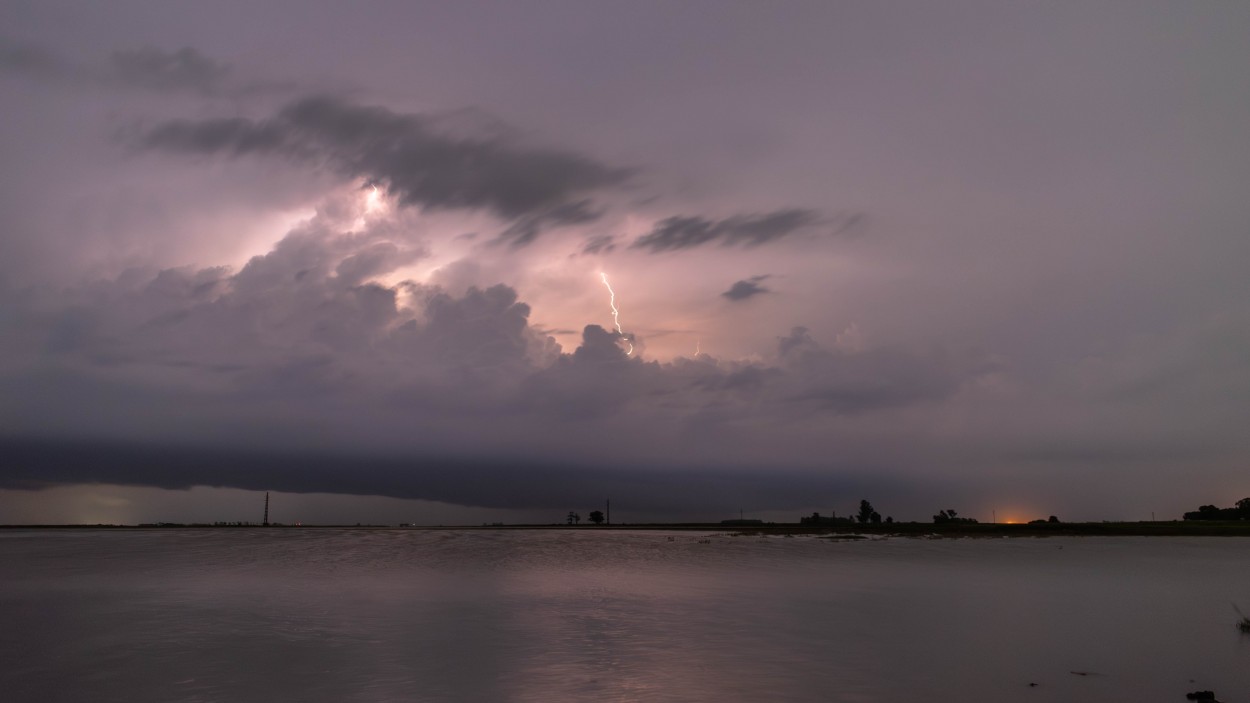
1176 528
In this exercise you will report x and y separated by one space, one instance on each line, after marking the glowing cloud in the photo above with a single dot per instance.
373 201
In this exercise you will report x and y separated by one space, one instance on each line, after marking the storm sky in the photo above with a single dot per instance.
975 255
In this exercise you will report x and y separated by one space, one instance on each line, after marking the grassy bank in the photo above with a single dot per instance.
1177 528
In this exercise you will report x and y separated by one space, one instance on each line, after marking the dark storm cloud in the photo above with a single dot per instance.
746 289
301 325
683 232
529 186
919 117
32 464
526 229
840 382
597 380
599 244
159 70
32 60
184 70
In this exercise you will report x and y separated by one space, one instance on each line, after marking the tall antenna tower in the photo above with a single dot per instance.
266 509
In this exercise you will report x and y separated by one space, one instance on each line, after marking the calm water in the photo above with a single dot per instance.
380 615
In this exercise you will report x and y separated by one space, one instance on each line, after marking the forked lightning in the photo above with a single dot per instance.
616 314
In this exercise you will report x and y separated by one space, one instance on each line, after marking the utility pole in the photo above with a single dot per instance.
995 518
266 524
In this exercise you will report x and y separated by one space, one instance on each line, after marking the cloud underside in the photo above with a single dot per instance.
501 482
531 188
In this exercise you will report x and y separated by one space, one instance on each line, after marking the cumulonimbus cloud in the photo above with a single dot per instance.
304 350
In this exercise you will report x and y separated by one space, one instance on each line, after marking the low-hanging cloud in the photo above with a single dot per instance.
499 482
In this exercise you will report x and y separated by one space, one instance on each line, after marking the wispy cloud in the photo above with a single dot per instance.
148 68
687 232
747 288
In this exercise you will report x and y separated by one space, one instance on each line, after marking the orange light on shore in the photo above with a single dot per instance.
1015 511
1011 516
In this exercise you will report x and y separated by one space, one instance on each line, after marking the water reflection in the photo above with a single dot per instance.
370 615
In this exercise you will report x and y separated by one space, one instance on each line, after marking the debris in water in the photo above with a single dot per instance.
1244 623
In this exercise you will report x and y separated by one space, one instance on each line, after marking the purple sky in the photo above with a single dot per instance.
976 255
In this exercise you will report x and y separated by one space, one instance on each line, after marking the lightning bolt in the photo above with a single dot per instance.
616 314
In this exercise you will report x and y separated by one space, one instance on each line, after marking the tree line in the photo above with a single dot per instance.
1240 511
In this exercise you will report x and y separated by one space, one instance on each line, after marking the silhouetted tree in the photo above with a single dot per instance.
572 517
951 516
596 517
1052 518
1209 512
865 512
